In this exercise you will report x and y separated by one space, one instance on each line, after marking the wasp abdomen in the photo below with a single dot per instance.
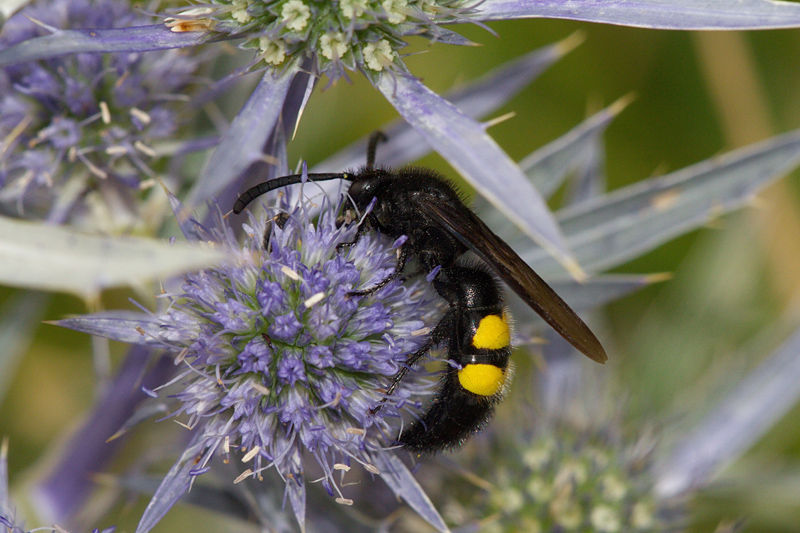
482 379
492 333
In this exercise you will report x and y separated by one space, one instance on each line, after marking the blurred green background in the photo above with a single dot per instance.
674 348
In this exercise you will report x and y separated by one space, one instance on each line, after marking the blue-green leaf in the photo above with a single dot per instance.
44 257
657 14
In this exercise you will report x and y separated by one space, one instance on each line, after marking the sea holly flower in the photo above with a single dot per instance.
566 458
214 307
253 139
65 489
352 34
280 363
572 474
80 132
295 41
585 462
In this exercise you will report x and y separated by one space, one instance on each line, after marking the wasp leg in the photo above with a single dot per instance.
374 139
398 271
438 334
360 231
280 221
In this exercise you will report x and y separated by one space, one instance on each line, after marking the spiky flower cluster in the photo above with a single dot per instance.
282 363
77 131
352 34
566 480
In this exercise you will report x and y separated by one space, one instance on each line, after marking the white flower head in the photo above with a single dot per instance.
605 519
273 52
333 45
395 10
239 11
353 8
379 55
295 15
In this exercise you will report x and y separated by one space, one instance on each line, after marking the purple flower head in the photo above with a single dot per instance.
80 132
281 364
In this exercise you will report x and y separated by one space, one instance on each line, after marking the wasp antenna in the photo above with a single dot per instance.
374 139
284 181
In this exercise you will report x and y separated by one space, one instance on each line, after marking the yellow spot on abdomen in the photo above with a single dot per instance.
492 334
484 380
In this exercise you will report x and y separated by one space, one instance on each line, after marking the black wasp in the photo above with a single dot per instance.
479 340
440 228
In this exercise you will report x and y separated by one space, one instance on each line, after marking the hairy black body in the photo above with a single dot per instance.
477 334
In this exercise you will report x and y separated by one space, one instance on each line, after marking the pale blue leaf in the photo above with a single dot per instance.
440 34
175 484
135 39
215 499
465 144
611 229
143 412
52 258
187 223
125 326
563 380
476 99
657 14
549 166
299 94
584 296
269 506
274 161
590 178
742 418
396 474
296 490
600 290
244 142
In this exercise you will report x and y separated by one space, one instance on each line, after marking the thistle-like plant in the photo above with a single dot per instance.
82 133
208 324
223 336
297 41
279 362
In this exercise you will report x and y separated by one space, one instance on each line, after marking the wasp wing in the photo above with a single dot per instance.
475 235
